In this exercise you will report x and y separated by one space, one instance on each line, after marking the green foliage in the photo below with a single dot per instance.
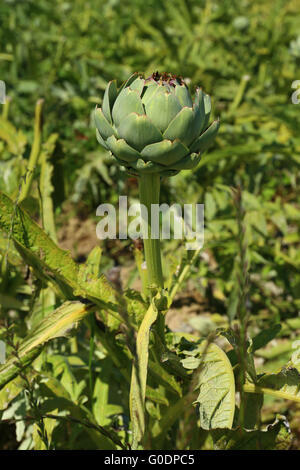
215 382
277 436
48 261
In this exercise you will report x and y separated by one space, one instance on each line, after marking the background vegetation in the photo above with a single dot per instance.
245 54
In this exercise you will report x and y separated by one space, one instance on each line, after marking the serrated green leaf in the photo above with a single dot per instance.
277 436
47 259
55 325
216 399
285 384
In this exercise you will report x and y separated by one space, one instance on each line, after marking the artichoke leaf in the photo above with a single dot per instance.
183 127
216 385
122 150
138 131
103 126
148 167
119 161
129 81
199 109
100 140
165 152
109 98
207 109
183 95
150 91
127 102
138 85
204 141
162 109
187 163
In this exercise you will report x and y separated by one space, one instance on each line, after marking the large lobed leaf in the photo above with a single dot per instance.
277 436
217 389
215 381
47 259
285 384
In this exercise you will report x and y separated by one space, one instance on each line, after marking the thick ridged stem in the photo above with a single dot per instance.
149 186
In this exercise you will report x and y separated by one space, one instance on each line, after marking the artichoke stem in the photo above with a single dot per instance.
149 187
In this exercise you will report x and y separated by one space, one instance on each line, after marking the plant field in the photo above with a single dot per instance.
122 344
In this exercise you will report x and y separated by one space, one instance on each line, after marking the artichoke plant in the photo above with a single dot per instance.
153 126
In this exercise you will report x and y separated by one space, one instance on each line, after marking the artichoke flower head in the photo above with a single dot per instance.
153 125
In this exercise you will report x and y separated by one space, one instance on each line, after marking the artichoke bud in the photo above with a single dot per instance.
153 125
